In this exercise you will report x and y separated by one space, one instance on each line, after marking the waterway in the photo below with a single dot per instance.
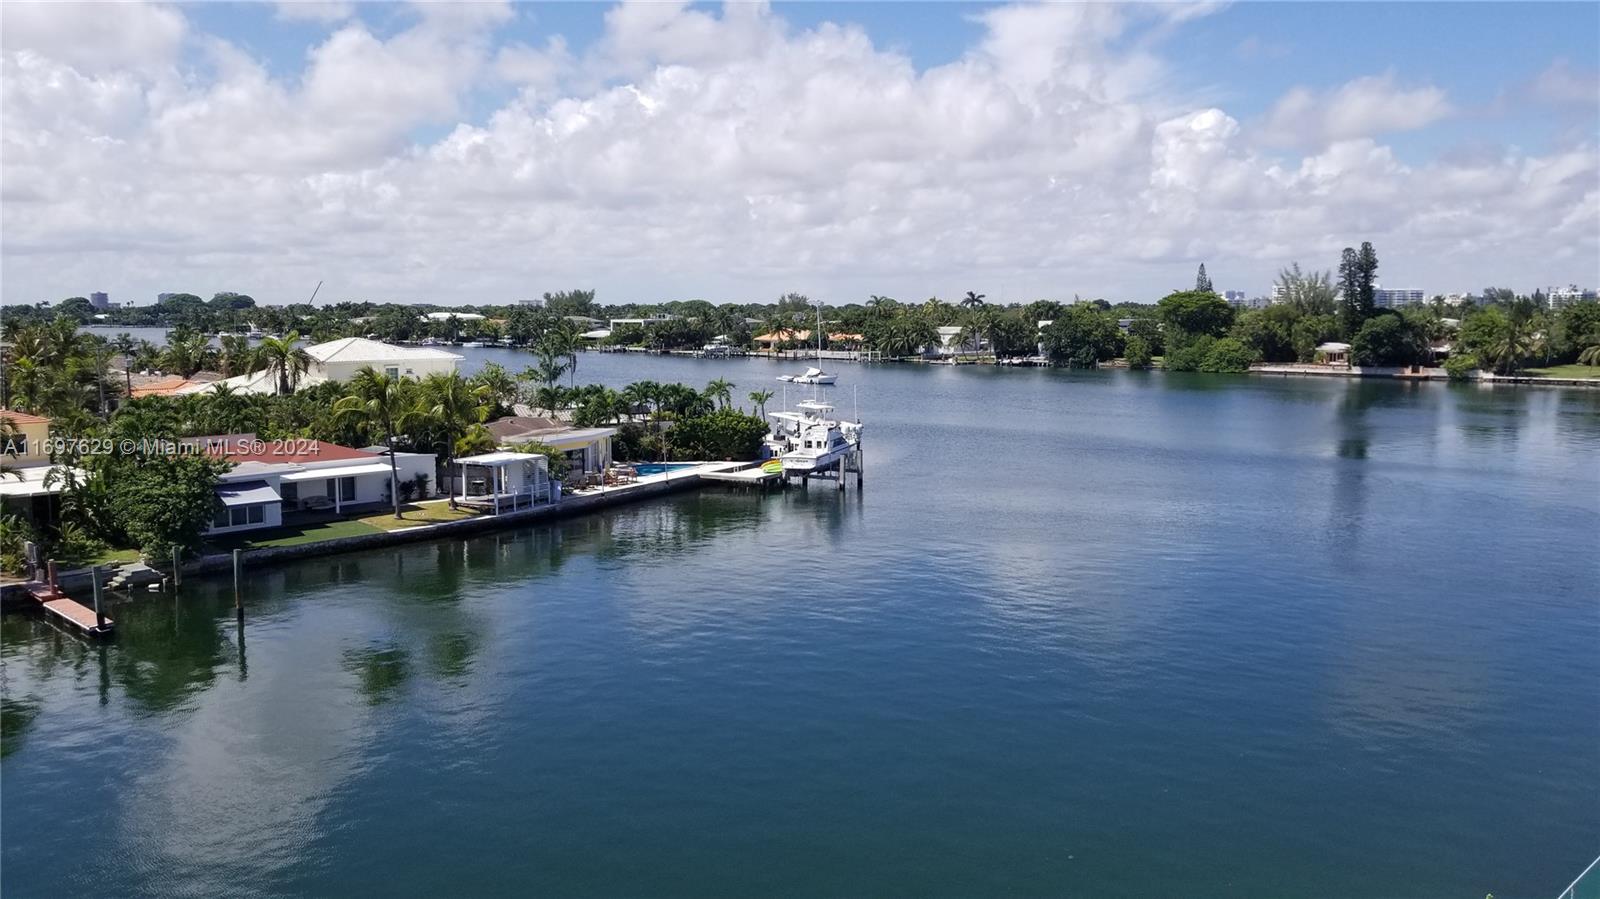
1098 633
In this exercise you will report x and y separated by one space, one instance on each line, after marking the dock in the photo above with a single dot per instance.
66 610
749 477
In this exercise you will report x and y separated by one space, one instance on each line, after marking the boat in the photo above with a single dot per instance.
811 376
810 440
473 344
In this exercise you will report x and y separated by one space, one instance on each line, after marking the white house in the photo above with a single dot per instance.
950 343
272 478
446 316
588 450
339 360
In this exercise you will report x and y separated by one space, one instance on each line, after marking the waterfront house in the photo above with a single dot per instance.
26 453
588 450
951 344
272 482
339 360
1334 353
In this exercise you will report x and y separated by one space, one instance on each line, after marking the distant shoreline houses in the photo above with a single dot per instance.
339 360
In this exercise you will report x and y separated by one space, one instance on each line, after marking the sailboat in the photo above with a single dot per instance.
813 375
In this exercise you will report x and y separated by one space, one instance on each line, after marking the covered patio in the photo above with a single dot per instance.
504 481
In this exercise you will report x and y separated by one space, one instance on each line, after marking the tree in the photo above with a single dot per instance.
228 300
284 360
1193 313
721 434
1498 339
1083 337
1309 293
78 308
166 501
1367 267
1349 291
1229 354
760 399
1137 352
1202 281
238 357
972 300
377 401
1385 340
720 390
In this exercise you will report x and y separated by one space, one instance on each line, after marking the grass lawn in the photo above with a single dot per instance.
1564 371
291 536
413 514
111 556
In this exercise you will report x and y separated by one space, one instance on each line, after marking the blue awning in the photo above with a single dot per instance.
246 493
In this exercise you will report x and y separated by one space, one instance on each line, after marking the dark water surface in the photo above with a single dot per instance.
1099 634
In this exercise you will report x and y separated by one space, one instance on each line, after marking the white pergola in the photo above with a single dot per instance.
500 488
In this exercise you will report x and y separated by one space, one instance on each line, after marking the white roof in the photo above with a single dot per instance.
340 471
597 334
498 458
255 382
1334 347
29 481
445 316
246 493
360 349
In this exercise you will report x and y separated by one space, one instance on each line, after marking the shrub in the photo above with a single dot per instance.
723 434
1189 354
1229 354
1138 352
1460 366
559 464
1385 340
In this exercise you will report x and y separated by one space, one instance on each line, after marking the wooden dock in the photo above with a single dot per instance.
64 609
750 477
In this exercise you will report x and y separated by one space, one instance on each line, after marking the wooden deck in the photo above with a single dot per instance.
68 610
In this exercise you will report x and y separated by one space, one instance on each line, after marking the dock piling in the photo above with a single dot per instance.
177 576
99 613
238 573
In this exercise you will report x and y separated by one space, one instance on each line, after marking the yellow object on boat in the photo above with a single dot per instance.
772 466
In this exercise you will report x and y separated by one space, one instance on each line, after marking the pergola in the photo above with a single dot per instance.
507 477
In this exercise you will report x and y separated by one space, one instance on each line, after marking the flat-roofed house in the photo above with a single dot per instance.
339 360
588 450
271 479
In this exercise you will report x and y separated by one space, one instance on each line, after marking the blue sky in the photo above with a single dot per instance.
447 153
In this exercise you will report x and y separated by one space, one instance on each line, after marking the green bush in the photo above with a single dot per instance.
559 465
724 433
1138 352
1189 354
1460 366
1386 340
1229 354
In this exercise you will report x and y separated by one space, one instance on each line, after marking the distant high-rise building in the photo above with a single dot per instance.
99 300
1562 297
535 302
1234 297
1392 297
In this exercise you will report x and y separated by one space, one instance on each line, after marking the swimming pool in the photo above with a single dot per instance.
647 468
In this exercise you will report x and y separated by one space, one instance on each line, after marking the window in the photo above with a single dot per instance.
347 489
392 372
290 491
237 514
257 514
219 519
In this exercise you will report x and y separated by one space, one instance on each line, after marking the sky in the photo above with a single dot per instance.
488 152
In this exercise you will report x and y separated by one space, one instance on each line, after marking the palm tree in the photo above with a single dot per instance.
238 356
721 390
498 384
186 353
125 345
377 401
448 408
1591 348
284 361
760 398
972 299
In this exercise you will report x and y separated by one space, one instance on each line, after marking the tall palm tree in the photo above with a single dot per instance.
721 390
125 345
187 353
448 407
238 356
377 401
284 360
760 398
972 299
1591 348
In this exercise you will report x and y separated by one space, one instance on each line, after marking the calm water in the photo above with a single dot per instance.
1100 634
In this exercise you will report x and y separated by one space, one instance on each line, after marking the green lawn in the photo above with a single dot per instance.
412 515
112 556
291 536
1564 371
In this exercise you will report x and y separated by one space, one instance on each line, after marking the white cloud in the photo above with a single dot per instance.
95 38
1364 107
314 11
730 156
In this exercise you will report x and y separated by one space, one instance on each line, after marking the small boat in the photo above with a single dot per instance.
811 376
473 344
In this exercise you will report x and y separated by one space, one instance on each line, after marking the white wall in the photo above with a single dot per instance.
340 370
